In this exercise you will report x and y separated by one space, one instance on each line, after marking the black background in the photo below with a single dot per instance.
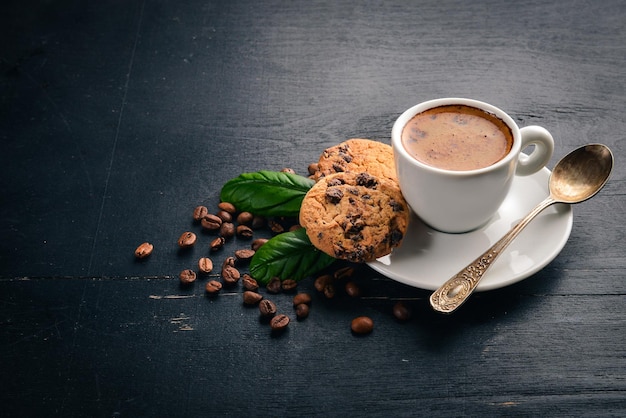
117 118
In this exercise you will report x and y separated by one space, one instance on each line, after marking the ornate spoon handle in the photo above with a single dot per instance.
457 290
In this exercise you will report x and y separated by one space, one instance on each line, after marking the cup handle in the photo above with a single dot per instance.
539 157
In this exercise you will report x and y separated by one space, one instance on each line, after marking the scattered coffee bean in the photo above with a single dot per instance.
279 322
289 285
245 218
276 227
244 231
302 310
213 286
249 283
353 290
144 250
224 216
205 265
274 285
258 222
362 325
187 239
227 207
230 275
211 222
258 243
288 170
251 298
329 290
301 298
217 243
295 227
321 282
343 273
244 254
228 261
227 230
187 276
199 213
267 308
401 311
313 168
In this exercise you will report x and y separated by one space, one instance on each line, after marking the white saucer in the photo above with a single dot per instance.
427 258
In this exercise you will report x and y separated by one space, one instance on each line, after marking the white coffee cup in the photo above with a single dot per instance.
461 201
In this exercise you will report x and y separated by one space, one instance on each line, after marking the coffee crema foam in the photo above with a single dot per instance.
457 138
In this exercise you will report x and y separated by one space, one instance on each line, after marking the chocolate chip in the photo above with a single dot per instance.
366 180
396 206
334 182
347 158
334 195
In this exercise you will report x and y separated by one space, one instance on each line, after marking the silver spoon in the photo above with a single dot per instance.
577 177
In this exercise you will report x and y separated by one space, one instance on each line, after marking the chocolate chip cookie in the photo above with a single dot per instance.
358 155
355 216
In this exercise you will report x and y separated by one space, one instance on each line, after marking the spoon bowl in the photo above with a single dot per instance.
576 177
581 174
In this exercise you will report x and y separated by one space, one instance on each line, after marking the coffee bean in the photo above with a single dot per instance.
187 239
295 227
279 322
205 265
144 250
244 231
288 170
321 282
227 207
301 298
329 291
267 308
274 285
343 273
249 283
228 261
187 276
200 212
251 298
245 218
302 310
213 286
401 311
227 230
353 290
276 227
211 222
289 285
224 216
217 243
258 243
230 275
313 168
244 254
258 222
362 325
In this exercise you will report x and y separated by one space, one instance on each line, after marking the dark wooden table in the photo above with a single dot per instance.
117 118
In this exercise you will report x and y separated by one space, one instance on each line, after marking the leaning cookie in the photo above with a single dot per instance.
359 155
355 216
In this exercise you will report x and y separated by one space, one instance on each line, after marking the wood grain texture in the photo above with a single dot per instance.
118 118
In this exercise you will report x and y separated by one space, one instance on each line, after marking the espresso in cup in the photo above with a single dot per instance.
457 138
456 159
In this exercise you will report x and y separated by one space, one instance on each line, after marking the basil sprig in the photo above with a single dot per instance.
267 193
289 255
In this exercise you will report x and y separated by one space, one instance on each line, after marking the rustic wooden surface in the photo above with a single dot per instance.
118 117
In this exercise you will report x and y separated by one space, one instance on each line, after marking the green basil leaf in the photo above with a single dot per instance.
289 255
267 193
